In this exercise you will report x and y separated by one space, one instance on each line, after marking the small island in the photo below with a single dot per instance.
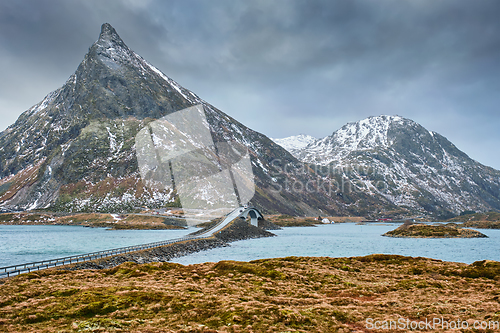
449 230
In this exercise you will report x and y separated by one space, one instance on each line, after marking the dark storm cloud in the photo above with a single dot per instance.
301 66
42 43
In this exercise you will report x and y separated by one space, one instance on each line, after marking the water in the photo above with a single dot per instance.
21 244
349 240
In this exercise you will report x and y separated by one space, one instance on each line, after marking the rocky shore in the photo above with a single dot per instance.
239 229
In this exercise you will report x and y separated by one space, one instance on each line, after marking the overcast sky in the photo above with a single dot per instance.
282 67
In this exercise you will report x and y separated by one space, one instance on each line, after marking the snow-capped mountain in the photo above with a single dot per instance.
75 150
367 134
295 144
408 165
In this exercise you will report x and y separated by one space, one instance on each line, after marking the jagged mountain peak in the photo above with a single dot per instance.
108 32
375 132
369 132
380 119
121 84
75 150
111 50
372 133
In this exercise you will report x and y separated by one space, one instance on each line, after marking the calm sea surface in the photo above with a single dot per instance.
348 240
21 244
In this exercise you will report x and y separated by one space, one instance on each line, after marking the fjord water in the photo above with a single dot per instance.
349 240
22 244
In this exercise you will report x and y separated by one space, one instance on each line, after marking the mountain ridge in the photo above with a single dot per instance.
403 154
75 152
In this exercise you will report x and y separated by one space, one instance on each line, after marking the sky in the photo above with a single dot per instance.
282 67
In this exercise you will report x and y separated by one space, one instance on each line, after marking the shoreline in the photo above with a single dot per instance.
149 221
237 230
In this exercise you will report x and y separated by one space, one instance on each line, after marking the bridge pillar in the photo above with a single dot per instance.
254 220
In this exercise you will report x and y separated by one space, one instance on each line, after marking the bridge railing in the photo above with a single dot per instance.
216 225
39 265
13 270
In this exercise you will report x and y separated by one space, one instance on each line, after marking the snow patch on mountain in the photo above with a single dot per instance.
367 134
296 143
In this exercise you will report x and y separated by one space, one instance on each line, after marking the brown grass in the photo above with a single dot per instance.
346 219
274 295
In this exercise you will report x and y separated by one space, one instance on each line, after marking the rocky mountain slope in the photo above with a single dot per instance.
75 150
408 165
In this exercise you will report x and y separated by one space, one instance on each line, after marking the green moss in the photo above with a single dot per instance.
95 308
387 258
99 325
7 217
270 295
482 269
65 292
249 268
341 316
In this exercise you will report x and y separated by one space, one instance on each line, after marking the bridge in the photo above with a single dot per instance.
240 212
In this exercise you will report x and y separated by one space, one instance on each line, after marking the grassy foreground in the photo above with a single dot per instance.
294 294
